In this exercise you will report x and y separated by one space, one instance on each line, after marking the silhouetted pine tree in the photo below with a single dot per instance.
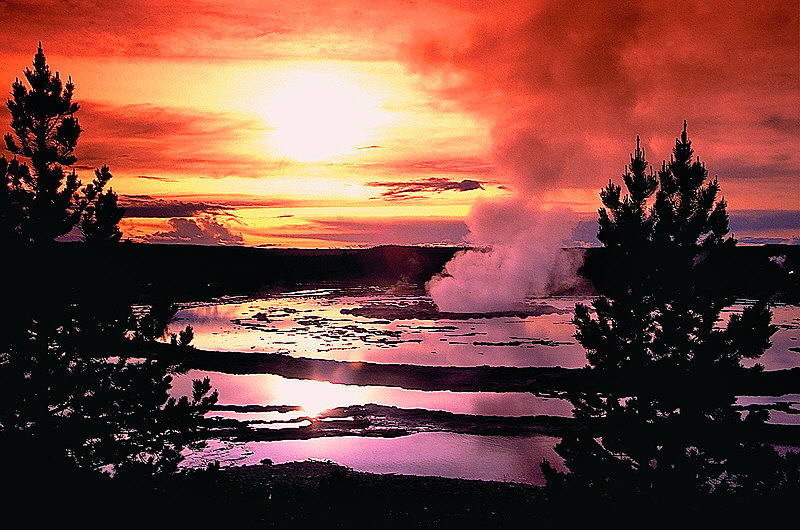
663 426
46 132
74 402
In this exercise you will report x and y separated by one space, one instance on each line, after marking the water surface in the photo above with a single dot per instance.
312 324
440 454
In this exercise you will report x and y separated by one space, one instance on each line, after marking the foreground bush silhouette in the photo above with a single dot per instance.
77 401
663 427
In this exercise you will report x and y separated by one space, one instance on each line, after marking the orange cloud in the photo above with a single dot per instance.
148 139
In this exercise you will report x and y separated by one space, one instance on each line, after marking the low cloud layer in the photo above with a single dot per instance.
202 231
369 232
765 220
152 207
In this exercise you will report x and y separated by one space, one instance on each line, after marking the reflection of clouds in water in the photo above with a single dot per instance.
315 396
783 409
310 324
315 327
779 356
506 404
434 453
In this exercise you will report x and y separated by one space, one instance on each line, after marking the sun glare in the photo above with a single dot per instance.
317 396
317 115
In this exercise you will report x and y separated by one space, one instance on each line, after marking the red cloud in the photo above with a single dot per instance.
569 85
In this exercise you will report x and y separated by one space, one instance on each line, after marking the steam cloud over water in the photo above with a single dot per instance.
517 254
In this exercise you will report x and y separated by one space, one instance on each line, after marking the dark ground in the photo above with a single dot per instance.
323 495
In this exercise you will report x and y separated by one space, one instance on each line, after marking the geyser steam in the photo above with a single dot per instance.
517 254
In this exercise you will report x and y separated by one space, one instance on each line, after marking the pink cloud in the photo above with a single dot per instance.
224 29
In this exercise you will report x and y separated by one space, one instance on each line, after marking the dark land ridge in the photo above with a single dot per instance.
192 273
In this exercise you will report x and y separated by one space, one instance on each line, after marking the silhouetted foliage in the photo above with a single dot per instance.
45 201
662 423
81 394
101 215
72 385
186 336
11 206
183 337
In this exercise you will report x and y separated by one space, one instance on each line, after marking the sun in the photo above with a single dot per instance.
317 114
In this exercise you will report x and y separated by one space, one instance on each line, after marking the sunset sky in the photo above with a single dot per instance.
339 123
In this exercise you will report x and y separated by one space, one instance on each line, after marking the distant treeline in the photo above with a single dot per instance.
194 272
754 272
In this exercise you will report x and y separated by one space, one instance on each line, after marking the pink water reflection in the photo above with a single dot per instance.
316 396
431 453
514 459
790 403
315 327
785 350
439 454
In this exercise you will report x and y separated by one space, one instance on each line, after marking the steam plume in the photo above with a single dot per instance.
517 255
